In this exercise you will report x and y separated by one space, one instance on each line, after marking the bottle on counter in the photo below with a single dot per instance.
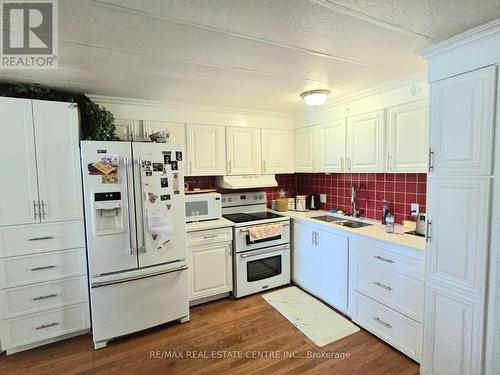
389 223
385 211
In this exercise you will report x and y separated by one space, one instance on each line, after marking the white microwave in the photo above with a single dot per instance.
204 206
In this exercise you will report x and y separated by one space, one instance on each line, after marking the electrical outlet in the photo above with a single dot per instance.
415 207
322 198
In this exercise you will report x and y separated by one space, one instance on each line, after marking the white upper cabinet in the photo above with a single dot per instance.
206 154
305 152
58 160
278 151
457 216
124 129
332 146
365 142
17 160
407 135
243 151
462 110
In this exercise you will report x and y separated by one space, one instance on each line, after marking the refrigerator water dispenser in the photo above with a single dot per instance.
108 213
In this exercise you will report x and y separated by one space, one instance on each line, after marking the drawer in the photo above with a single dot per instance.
37 327
390 260
31 269
402 293
394 328
204 237
44 296
38 238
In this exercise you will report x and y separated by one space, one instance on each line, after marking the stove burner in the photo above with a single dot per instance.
254 216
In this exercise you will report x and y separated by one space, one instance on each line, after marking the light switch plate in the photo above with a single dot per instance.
415 207
322 198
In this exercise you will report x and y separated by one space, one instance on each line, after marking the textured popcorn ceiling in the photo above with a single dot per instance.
257 54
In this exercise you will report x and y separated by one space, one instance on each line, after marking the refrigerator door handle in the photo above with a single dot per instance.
130 239
143 247
105 283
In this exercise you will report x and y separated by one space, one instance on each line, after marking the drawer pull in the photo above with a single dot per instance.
380 321
44 297
43 268
41 238
210 236
43 326
387 260
382 285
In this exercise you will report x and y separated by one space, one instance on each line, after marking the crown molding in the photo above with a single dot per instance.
187 106
416 77
470 36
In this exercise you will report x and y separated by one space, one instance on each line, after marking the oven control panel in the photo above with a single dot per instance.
243 199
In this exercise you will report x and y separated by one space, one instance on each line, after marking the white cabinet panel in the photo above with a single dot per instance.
462 110
278 151
332 146
320 264
407 141
205 150
19 190
365 142
458 212
453 334
243 151
210 270
331 263
58 160
398 330
305 151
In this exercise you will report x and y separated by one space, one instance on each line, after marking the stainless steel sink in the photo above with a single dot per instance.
340 221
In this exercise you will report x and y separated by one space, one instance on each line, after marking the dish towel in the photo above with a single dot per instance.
263 232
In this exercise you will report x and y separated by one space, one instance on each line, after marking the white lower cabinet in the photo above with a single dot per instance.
43 284
210 263
320 263
403 333
453 333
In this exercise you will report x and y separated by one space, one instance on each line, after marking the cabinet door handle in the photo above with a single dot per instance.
383 286
44 214
34 210
380 321
264 166
190 167
389 166
43 326
317 238
209 236
428 236
387 260
44 297
43 268
40 238
431 162
229 165
349 164
341 164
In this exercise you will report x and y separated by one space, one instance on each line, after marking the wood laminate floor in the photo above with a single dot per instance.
235 329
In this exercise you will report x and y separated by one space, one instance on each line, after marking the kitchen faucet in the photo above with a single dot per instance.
354 202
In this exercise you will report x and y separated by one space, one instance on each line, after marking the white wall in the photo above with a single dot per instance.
406 90
132 109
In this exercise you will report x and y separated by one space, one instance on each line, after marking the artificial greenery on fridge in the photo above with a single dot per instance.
96 122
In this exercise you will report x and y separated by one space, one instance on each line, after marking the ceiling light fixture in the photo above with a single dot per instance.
315 98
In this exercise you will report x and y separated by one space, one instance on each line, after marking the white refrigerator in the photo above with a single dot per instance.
135 228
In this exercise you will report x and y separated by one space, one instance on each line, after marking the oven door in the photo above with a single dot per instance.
262 269
242 239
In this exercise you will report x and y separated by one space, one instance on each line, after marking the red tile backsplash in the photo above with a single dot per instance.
398 189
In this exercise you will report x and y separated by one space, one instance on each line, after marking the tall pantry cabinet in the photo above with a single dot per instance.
460 185
43 269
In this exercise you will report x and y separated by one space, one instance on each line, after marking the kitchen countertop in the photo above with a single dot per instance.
208 224
376 231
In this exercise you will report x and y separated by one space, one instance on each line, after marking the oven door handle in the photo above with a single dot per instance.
255 253
262 225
